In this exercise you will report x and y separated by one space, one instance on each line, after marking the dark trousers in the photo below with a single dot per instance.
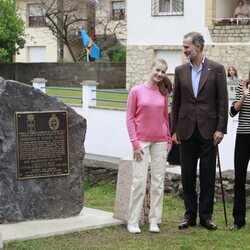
191 150
241 159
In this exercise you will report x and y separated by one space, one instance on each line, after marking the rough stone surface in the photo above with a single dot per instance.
139 58
123 187
53 197
173 185
100 171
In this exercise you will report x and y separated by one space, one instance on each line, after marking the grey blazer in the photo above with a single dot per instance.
209 109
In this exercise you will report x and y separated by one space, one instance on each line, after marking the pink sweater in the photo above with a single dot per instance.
147 116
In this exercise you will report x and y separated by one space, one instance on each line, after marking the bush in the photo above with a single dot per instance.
117 53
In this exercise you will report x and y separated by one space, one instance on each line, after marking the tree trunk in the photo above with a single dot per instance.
60 7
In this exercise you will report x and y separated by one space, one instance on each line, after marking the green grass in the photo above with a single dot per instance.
112 96
117 237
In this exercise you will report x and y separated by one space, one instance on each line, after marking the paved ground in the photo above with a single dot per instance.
88 219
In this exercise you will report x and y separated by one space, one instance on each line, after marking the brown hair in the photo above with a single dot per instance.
234 69
165 86
197 39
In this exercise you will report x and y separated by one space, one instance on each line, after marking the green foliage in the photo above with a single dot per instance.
11 31
117 53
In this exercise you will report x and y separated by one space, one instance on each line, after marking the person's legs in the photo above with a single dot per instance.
207 178
189 158
140 171
158 169
241 159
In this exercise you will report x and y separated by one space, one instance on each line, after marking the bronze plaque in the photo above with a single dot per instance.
42 144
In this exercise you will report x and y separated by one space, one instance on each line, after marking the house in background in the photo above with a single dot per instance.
111 19
155 28
105 18
41 45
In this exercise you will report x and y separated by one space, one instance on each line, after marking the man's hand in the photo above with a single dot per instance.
175 139
218 136
138 153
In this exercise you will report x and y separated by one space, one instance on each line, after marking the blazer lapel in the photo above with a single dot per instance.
189 78
207 68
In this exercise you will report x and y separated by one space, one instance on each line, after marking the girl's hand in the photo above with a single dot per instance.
138 153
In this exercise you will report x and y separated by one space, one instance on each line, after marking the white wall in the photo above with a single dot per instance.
107 135
164 30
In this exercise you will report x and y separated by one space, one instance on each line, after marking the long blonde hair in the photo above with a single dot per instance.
165 86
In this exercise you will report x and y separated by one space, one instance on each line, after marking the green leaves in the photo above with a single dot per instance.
11 31
117 53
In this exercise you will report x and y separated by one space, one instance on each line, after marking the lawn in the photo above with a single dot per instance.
117 237
76 97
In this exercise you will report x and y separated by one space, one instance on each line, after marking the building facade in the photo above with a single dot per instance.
41 45
111 19
155 28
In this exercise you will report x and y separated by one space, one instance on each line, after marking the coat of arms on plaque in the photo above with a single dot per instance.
54 122
31 125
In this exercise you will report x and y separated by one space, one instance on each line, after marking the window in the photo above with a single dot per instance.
173 58
118 10
167 7
37 54
36 15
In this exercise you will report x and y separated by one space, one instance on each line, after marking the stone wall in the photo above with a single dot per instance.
108 75
139 59
230 33
100 172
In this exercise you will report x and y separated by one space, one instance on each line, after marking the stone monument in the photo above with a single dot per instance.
123 187
41 155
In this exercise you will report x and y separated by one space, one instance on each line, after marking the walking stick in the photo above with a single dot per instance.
222 190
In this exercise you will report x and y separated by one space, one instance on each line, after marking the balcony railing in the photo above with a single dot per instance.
232 21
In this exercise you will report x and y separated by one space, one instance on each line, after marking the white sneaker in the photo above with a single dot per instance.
154 228
133 230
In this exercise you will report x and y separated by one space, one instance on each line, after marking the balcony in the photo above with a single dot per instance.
230 30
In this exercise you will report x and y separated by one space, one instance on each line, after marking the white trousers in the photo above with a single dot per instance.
156 154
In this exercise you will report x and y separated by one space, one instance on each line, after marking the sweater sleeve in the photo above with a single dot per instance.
130 119
166 118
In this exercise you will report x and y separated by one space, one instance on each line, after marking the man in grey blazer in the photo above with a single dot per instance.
199 122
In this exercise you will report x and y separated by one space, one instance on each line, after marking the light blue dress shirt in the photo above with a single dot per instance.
196 75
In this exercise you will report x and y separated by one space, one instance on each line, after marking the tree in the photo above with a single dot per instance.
11 31
64 17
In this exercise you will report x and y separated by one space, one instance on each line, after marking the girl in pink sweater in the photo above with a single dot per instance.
148 128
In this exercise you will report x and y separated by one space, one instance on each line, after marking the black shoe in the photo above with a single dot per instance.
186 223
208 224
235 227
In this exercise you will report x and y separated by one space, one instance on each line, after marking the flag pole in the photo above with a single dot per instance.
87 56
